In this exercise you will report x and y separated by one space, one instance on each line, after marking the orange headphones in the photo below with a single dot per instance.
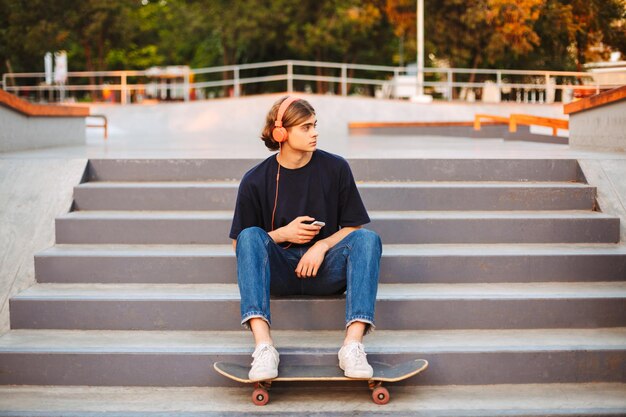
280 133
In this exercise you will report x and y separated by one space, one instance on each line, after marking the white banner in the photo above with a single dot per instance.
60 67
47 61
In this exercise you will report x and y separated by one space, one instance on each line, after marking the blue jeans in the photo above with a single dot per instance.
264 268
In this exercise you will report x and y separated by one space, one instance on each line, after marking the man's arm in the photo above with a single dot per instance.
330 241
295 232
310 262
337 237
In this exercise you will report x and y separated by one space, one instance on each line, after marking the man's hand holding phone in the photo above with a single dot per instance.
312 260
301 230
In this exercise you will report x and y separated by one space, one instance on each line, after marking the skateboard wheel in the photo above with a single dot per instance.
260 396
380 395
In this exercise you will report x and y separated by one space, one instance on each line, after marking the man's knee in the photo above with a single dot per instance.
251 237
368 240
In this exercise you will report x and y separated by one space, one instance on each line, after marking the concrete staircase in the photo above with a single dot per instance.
499 272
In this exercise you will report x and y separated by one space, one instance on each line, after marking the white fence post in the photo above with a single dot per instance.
450 80
290 77
123 92
549 90
499 82
344 80
236 85
394 86
186 85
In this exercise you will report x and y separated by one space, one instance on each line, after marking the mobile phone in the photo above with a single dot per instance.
318 223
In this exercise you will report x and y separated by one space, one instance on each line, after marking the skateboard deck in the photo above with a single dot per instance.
382 373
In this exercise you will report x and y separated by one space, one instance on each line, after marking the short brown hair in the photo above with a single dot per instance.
298 112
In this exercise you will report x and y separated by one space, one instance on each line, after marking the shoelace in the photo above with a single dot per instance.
263 355
358 353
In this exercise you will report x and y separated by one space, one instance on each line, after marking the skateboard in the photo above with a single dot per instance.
382 373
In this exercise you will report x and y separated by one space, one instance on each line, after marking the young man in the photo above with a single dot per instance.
297 231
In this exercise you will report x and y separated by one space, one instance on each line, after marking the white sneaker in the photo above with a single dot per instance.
265 363
353 361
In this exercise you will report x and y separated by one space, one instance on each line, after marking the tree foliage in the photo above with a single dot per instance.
136 34
595 21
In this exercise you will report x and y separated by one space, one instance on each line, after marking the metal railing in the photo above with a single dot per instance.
104 125
523 119
311 77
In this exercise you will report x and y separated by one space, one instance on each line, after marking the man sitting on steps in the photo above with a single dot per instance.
305 240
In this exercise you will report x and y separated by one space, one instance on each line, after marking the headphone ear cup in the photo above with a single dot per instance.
279 134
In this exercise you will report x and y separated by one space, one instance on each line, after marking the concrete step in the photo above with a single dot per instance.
451 263
212 227
399 307
376 196
363 169
527 400
184 358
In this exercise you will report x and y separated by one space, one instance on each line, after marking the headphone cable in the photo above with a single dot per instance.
276 197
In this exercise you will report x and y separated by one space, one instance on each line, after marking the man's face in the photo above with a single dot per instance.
303 137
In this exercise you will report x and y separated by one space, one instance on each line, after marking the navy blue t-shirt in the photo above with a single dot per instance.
323 189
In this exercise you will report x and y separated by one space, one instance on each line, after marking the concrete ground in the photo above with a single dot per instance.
451 401
230 128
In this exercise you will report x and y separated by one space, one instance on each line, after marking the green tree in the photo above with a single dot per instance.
28 34
556 30
335 29
98 27
512 23
597 21
246 31
554 34
87 30
4 39
342 31
136 34
173 32
478 33
402 16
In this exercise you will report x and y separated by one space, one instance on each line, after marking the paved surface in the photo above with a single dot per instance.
230 128
483 401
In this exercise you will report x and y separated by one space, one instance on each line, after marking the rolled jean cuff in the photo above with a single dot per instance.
369 324
253 315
